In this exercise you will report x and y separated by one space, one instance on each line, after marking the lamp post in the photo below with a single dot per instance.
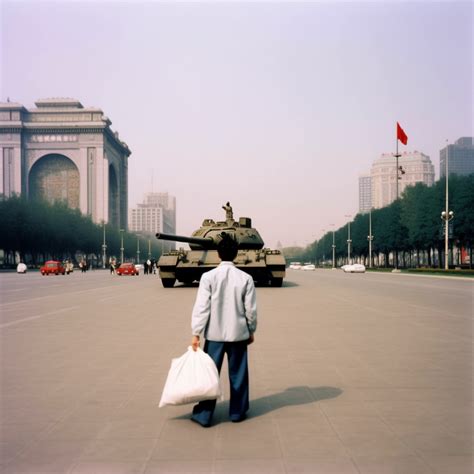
149 248
446 215
333 247
370 237
138 250
104 246
349 241
121 245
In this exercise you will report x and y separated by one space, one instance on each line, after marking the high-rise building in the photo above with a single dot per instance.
460 157
156 214
365 193
414 167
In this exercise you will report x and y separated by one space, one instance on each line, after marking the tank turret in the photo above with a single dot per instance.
209 234
265 265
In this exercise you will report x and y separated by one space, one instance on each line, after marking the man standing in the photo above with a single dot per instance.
225 311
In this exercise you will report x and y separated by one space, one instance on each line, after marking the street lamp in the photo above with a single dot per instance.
446 215
333 247
138 250
149 248
104 247
370 237
121 245
349 241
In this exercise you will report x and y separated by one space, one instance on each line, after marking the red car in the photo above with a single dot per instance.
127 269
52 266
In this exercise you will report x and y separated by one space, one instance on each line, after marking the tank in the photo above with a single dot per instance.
266 266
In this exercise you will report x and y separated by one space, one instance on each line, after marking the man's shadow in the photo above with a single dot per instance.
292 396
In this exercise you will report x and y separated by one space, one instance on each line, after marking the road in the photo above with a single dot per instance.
350 373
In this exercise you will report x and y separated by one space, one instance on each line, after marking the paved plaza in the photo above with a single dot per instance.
350 374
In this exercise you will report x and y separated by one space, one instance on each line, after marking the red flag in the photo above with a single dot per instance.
401 135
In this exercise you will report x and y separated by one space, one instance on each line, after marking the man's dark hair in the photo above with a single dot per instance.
227 248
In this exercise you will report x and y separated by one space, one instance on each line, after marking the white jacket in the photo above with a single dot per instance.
226 305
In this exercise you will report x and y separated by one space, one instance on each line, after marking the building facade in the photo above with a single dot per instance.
414 167
460 157
156 214
365 193
63 151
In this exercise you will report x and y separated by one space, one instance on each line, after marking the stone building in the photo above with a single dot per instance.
63 151
416 167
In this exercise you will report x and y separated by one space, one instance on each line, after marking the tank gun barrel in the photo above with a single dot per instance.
204 242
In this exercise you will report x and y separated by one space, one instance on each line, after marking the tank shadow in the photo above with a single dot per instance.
292 396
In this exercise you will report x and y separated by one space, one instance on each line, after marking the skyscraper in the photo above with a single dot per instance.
460 157
156 214
365 193
415 167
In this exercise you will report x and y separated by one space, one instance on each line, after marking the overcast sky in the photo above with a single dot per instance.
275 107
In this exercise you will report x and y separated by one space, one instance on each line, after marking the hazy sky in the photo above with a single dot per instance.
277 107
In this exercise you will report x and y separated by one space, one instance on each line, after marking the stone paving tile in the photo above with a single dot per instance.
198 444
314 424
187 448
305 446
347 425
392 465
132 428
178 467
119 450
82 430
451 464
47 457
252 439
320 465
249 466
352 408
110 467
437 443
375 445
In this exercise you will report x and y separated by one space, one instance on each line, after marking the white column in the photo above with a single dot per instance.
82 166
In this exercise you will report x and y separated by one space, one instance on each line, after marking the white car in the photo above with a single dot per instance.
295 265
139 267
21 268
354 268
308 267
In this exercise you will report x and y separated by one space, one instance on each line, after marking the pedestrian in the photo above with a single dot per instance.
225 313
145 268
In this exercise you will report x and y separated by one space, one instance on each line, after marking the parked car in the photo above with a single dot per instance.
139 267
52 266
127 269
354 268
308 267
21 268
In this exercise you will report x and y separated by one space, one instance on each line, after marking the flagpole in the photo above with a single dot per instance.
397 155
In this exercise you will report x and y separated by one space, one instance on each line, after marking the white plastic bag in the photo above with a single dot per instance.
192 377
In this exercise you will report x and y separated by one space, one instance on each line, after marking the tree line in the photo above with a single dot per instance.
409 230
38 231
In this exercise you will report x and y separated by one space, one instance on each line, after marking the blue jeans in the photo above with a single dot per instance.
238 378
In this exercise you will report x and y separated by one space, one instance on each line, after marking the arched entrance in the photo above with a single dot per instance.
55 177
113 197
